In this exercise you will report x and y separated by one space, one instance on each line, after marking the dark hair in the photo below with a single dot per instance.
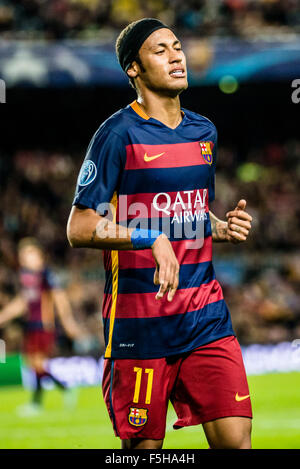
120 39
123 35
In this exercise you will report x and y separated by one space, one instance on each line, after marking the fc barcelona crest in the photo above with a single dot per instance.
137 417
206 152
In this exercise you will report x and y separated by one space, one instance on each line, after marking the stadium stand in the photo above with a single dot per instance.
90 19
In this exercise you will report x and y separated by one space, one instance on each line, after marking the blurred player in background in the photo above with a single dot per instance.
182 347
40 297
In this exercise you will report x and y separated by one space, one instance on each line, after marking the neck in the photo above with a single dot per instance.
166 109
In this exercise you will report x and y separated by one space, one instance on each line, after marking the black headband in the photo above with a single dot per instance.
133 41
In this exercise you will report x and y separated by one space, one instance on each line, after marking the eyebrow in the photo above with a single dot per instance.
163 44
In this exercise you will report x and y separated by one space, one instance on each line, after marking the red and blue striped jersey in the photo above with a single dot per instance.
36 288
156 177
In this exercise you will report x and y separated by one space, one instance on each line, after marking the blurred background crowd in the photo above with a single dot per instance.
261 281
94 19
47 131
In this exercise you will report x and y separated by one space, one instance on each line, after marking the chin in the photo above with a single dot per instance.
179 84
176 90
171 90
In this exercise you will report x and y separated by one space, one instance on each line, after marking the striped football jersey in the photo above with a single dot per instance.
144 174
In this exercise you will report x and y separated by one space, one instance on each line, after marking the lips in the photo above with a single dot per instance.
177 73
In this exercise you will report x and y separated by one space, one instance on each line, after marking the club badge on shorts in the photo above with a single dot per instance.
137 417
206 152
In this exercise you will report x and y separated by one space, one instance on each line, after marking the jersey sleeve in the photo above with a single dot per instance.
211 184
51 280
101 169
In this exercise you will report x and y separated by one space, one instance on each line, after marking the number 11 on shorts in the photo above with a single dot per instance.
138 380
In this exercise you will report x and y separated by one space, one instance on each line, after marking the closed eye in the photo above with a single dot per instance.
162 51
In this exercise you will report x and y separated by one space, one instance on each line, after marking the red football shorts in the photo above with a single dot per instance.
203 385
39 342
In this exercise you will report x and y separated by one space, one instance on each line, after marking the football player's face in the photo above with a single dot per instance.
163 63
31 258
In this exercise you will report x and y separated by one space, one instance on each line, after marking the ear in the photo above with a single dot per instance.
133 71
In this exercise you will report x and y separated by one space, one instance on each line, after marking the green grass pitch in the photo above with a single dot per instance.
276 424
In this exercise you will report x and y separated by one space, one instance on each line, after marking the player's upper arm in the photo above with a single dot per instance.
101 170
59 297
97 181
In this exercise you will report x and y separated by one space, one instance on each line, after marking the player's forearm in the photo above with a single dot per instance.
218 229
69 324
12 310
64 311
4 317
88 229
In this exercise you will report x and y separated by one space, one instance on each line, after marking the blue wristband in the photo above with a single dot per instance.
143 239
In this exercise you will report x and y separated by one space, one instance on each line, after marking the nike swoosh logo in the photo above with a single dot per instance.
241 398
150 158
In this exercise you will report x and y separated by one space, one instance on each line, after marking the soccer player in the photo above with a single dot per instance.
40 296
145 185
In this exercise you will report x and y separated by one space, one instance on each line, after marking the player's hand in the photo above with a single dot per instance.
239 223
167 267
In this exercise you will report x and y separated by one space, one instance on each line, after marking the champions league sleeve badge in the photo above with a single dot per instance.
87 173
206 152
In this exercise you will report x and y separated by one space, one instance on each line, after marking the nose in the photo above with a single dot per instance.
175 56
